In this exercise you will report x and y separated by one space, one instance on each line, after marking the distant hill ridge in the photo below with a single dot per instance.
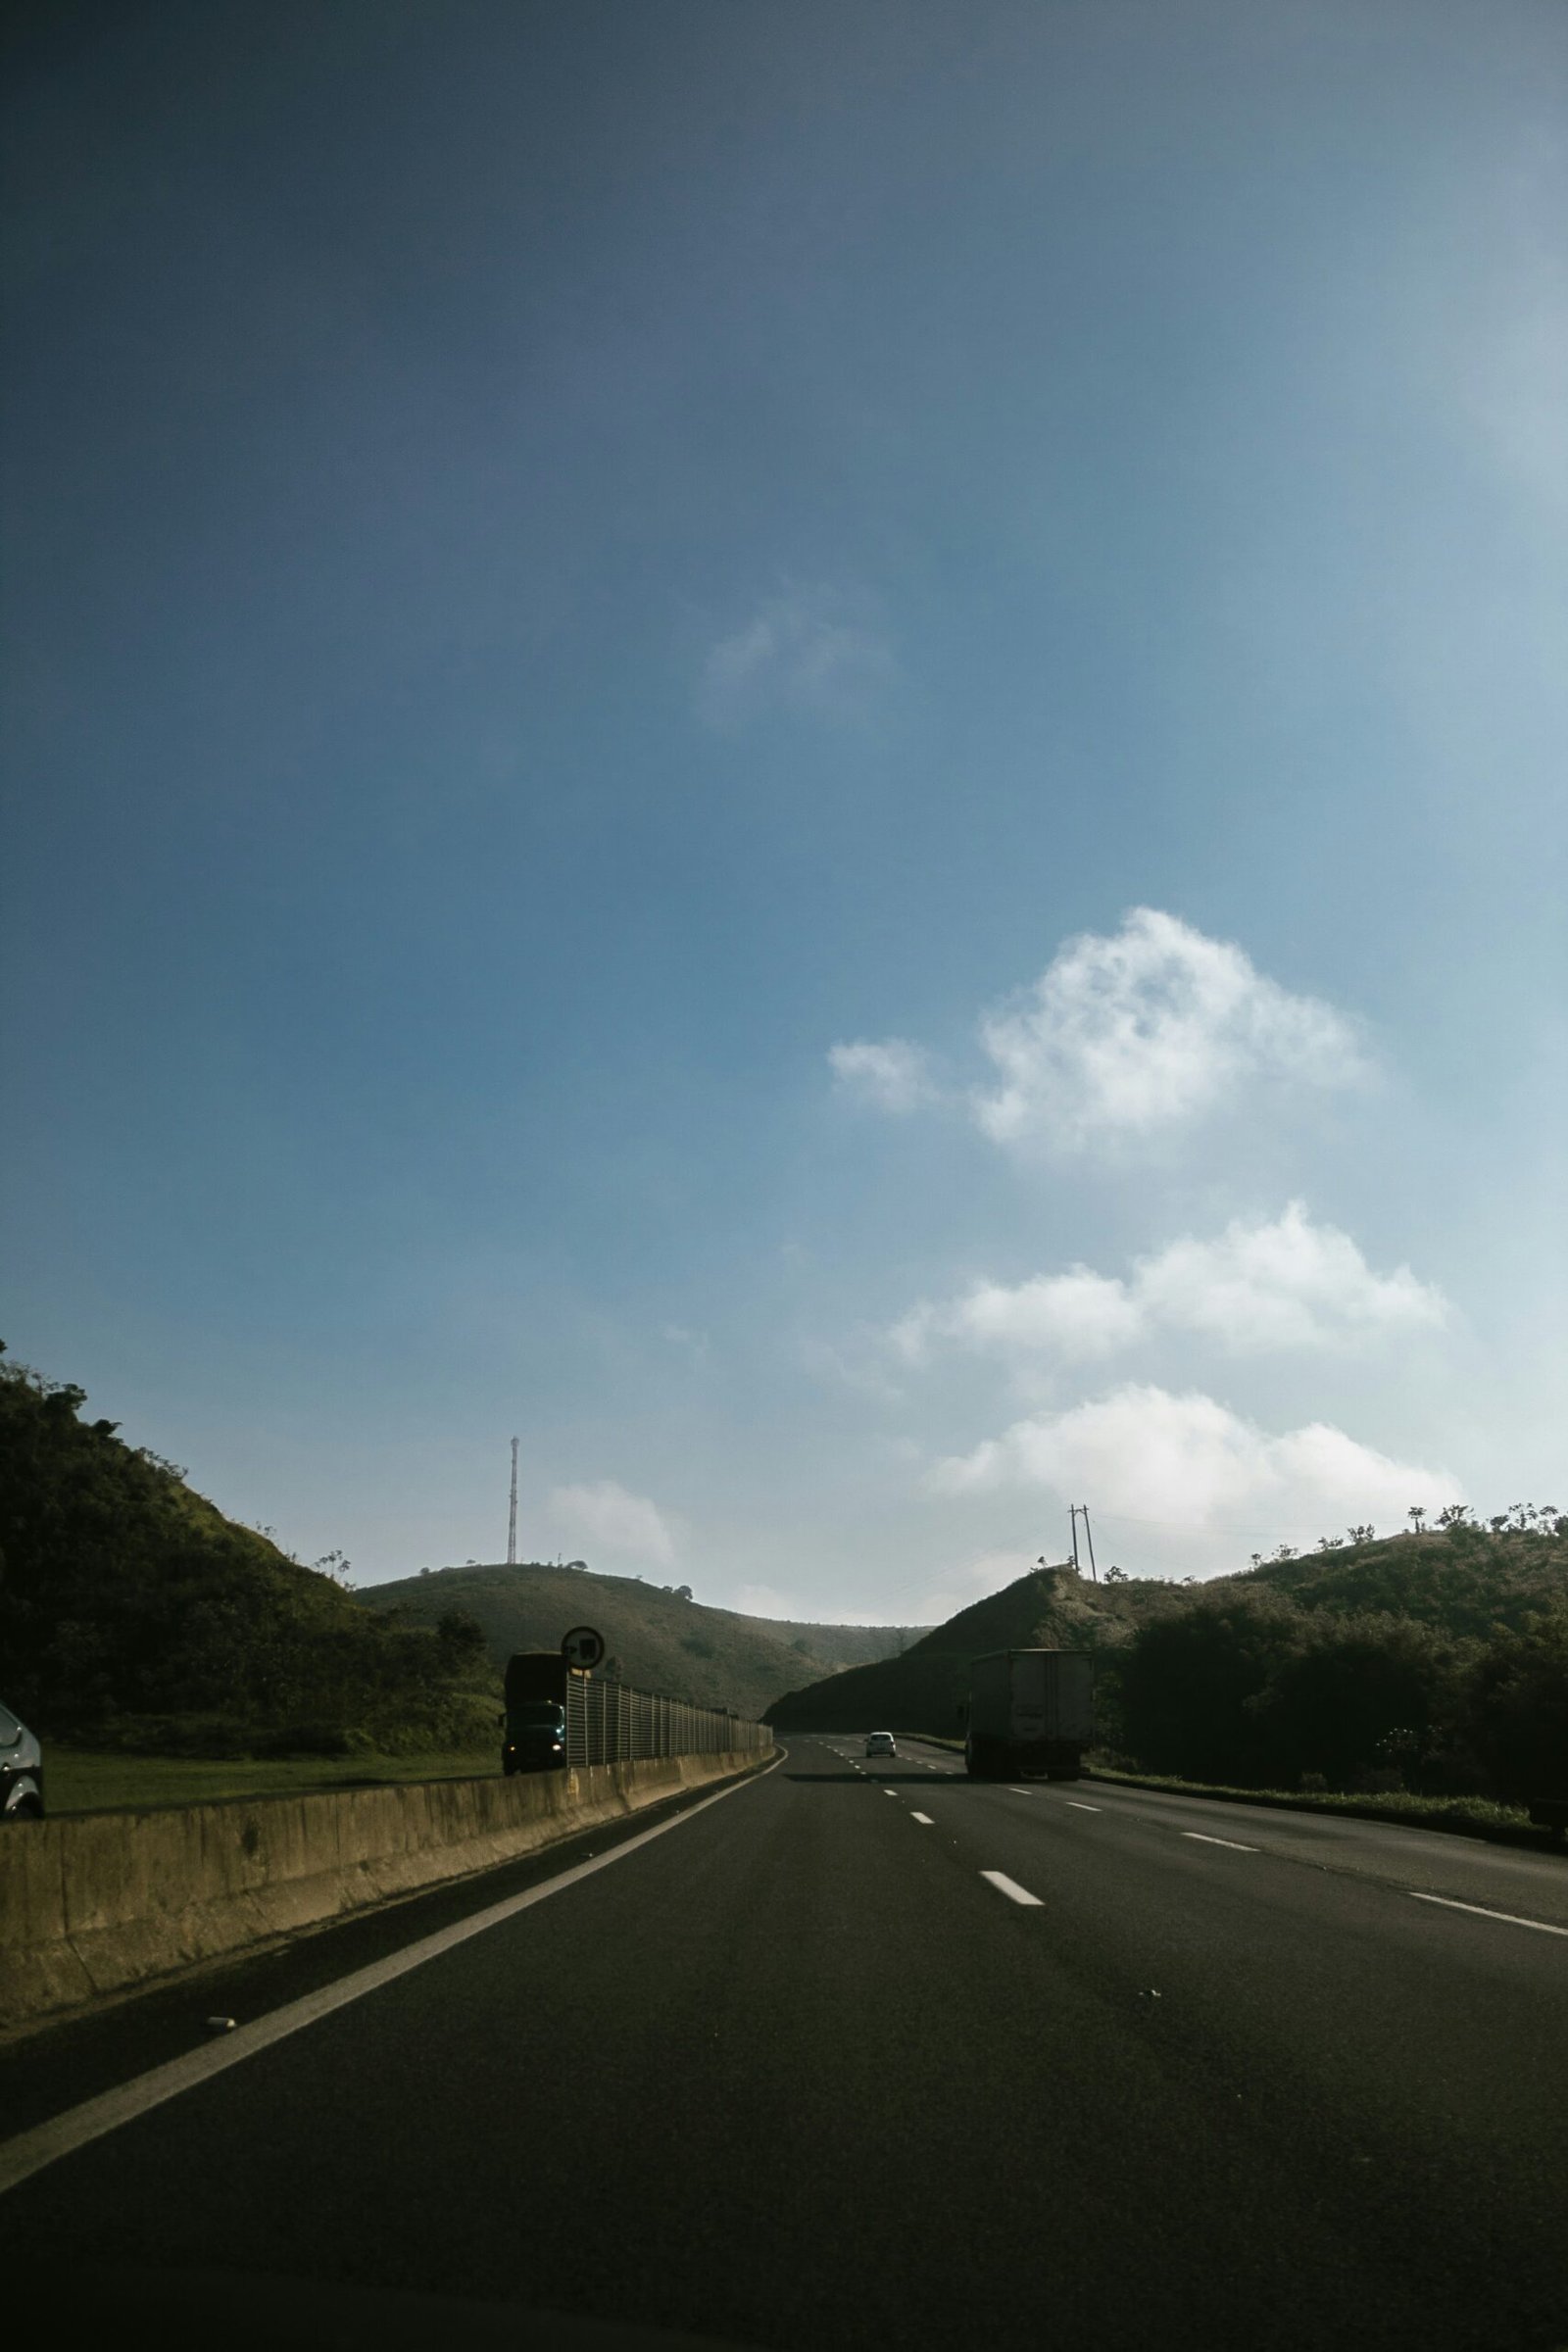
1049 1608
656 1640
1463 1584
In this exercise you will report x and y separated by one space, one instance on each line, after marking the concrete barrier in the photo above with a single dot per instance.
99 1903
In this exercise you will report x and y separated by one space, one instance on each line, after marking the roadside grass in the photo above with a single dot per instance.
1465 1815
1469 1816
87 1780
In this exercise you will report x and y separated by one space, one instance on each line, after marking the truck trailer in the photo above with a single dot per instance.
1029 1710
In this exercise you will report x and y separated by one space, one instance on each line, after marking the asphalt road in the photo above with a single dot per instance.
866 2054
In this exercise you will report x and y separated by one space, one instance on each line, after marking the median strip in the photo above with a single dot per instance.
1011 1889
1543 1927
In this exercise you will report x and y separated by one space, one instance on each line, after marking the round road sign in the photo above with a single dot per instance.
583 1647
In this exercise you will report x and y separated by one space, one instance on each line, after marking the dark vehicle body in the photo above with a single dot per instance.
536 1712
21 1771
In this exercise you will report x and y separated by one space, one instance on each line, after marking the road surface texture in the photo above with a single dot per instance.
857 2054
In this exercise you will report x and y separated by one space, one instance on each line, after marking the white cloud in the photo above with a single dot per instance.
816 650
1284 1282
1077 1314
1187 1461
894 1075
1289 1284
605 1514
1153 1027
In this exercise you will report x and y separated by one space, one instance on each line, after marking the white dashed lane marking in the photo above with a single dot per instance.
1197 1835
1011 1889
924 1819
1510 1919
1079 1806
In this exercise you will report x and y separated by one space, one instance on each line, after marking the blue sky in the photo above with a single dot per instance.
818 752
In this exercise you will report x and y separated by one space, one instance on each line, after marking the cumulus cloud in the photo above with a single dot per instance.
819 651
1149 1029
606 1515
1188 1460
1262 1285
1077 1314
1289 1284
894 1075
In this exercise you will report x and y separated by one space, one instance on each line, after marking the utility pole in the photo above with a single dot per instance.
512 1515
1080 1510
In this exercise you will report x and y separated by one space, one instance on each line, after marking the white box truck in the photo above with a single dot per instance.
1029 1710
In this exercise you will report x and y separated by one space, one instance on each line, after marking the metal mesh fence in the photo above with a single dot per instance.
608 1723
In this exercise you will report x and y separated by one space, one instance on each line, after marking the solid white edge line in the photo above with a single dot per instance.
1543 1927
30 2151
1010 1887
925 1817
1235 1846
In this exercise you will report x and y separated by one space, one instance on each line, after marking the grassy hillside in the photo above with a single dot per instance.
1435 1663
133 1613
656 1641
1049 1608
1465 1580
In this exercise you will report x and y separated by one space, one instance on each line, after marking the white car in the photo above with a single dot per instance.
881 1744
21 1771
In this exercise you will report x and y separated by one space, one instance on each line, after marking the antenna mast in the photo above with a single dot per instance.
512 1515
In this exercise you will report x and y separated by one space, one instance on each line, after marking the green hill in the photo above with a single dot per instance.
1436 1662
657 1640
1464 1580
133 1613
1049 1608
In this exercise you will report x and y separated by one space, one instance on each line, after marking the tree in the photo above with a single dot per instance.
1416 1515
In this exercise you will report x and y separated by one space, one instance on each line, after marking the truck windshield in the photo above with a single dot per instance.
539 1711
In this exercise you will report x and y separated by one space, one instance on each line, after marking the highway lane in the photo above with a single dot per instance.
800 2074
